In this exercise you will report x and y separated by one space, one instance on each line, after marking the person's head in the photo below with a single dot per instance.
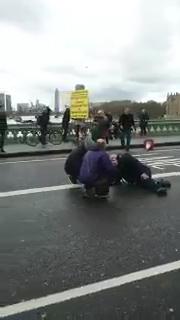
119 156
100 113
48 110
101 144
127 111
113 158
143 110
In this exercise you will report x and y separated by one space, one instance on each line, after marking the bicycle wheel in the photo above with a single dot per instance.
32 139
55 137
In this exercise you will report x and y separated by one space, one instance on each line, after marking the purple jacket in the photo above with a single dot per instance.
96 164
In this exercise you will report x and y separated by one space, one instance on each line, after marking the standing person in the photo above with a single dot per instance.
126 123
97 171
43 121
110 120
3 128
65 122
101 130
143 122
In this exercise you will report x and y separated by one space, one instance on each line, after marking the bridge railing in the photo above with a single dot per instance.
17 133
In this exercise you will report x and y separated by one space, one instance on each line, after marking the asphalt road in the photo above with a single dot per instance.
54 241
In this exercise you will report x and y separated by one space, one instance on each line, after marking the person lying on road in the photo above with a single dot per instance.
135 172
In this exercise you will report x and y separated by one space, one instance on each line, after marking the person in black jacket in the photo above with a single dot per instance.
143 122
73 163
43 121
74 160
101 130
65 122
3 128
135 172
126 124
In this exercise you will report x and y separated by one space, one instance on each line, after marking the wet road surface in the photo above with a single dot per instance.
55 241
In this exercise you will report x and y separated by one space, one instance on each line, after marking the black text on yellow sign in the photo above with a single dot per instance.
80 104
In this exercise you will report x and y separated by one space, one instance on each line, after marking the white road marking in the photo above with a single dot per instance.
88 289
67 187
166 175
38 190
155 152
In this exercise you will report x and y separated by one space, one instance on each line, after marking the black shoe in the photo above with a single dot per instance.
2 150
89 193
165 184
102 197
161 191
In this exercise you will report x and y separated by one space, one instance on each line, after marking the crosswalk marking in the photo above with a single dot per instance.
160 163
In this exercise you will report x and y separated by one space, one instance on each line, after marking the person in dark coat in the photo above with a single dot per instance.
143 122
43 121
73 163
74 160
135 172
97 171
3 128
126 124
65 122
101 129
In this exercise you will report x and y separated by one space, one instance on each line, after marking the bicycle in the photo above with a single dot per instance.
54 136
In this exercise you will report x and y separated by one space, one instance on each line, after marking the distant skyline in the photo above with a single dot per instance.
118 49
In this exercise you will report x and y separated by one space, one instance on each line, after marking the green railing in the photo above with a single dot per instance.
164 127
18 133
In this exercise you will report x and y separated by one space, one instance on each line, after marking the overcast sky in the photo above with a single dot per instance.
120 49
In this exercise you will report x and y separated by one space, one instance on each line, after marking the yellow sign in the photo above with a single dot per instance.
79 104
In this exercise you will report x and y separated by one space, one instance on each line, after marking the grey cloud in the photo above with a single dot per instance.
26 14
146 60
114 93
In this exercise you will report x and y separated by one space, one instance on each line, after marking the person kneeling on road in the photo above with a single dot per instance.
134 172
97 171
74 160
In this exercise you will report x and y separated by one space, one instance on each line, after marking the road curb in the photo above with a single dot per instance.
68 150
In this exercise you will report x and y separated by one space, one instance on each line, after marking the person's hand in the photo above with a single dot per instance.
144 176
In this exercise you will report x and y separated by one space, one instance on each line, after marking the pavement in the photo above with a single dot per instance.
16 150
53 241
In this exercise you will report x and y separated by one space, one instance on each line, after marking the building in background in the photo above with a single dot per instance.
173 105
8 103
2 101
57 101
30 108
23 107
5 102
65 100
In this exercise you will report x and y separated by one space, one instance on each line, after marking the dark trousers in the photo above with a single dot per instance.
143 128
149 184
65 131
42 138
2 139
101 186
126 138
